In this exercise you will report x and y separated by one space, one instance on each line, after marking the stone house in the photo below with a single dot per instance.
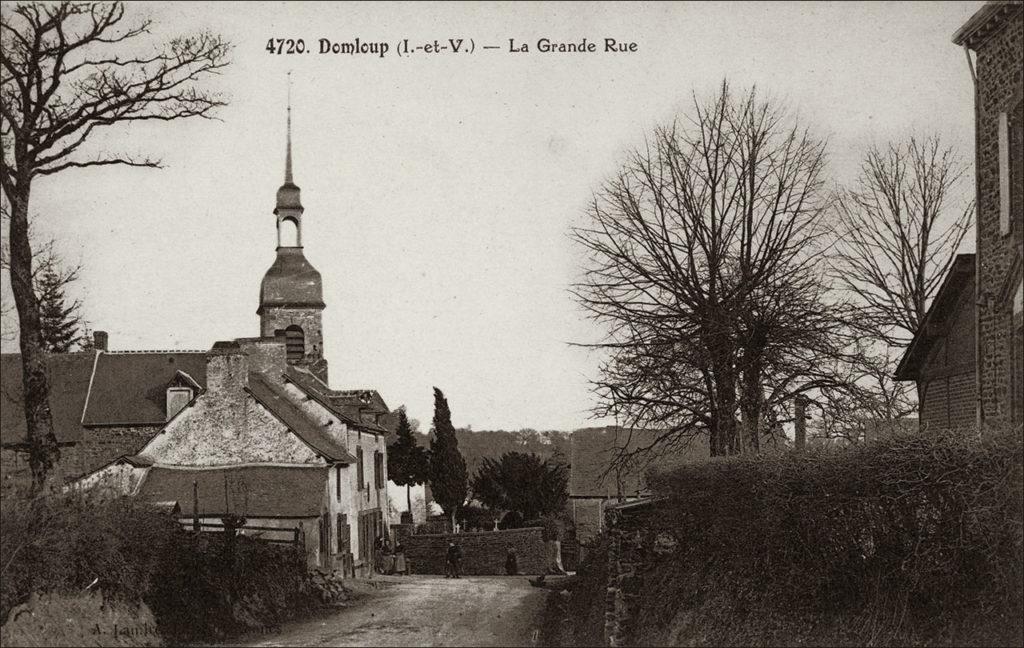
250 427
996 36
104 404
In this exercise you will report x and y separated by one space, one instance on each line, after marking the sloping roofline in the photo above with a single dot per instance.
960 275
981 25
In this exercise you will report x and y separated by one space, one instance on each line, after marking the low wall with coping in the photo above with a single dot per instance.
483 553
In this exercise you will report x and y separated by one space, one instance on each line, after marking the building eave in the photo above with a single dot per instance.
984 22
960 273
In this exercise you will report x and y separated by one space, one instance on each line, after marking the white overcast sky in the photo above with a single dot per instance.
439 189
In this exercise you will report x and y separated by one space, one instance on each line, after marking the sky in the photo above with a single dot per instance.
439 188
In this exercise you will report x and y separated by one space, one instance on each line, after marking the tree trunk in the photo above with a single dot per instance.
408 499
43 450
751 400
725 401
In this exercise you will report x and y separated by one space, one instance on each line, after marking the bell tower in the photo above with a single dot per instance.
291 294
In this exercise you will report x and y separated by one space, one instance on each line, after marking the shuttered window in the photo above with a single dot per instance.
295 343
360 475
344 533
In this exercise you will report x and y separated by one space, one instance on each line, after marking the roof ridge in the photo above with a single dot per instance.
248 464
139 351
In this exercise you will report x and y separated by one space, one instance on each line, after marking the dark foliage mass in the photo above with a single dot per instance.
408 462
521 482
59 318
914 540
449 481
194 586
909 541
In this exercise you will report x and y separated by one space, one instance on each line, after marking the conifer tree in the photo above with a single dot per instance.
60 321
407 460
448 477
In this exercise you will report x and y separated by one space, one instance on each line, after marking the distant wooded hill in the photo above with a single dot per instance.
477 444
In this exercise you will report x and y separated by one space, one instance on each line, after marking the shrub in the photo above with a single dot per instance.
194 586
912 540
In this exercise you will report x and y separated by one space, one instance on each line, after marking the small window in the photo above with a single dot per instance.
360 474
294 343
177 399
337 481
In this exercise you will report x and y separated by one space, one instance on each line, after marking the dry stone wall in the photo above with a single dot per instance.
483 553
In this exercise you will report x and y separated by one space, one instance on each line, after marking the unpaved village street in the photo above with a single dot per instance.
427 611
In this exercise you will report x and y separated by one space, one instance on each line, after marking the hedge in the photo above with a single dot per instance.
911 540
135 554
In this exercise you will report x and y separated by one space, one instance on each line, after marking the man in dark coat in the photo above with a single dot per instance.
453 560
511 562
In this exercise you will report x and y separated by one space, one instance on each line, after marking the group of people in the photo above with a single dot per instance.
390 559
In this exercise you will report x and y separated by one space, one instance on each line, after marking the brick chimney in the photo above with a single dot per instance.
99 340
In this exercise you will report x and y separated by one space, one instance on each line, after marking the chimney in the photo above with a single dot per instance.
227 369
99 340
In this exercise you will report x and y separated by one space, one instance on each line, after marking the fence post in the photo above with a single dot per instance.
195 505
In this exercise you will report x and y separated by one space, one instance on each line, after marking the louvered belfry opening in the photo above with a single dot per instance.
295 344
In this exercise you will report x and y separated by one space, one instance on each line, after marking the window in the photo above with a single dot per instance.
294 343
177 399
378 469
1004 173
360 476
337 481
1016 136
344 533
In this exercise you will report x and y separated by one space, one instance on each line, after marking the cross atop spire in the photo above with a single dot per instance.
288 156
289 203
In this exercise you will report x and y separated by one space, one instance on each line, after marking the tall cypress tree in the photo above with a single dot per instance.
59 321
407 460
448 478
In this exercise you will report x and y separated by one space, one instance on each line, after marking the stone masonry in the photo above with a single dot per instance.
999 85
483 553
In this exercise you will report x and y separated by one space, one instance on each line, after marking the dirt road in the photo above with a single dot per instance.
428 611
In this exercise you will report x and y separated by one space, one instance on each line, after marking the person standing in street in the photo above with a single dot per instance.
453 560
401 567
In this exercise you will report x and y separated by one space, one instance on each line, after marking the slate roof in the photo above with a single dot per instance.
984 22
591 451
311 432
263 490
68 375
130 388
291 281
346 404
940 313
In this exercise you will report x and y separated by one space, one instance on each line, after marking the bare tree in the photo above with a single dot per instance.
701 261
901 229
71 70
901 225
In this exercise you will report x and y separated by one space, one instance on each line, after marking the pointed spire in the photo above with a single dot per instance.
288 195
288 156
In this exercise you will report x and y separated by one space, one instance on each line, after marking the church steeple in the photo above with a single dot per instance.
291 293
289 200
